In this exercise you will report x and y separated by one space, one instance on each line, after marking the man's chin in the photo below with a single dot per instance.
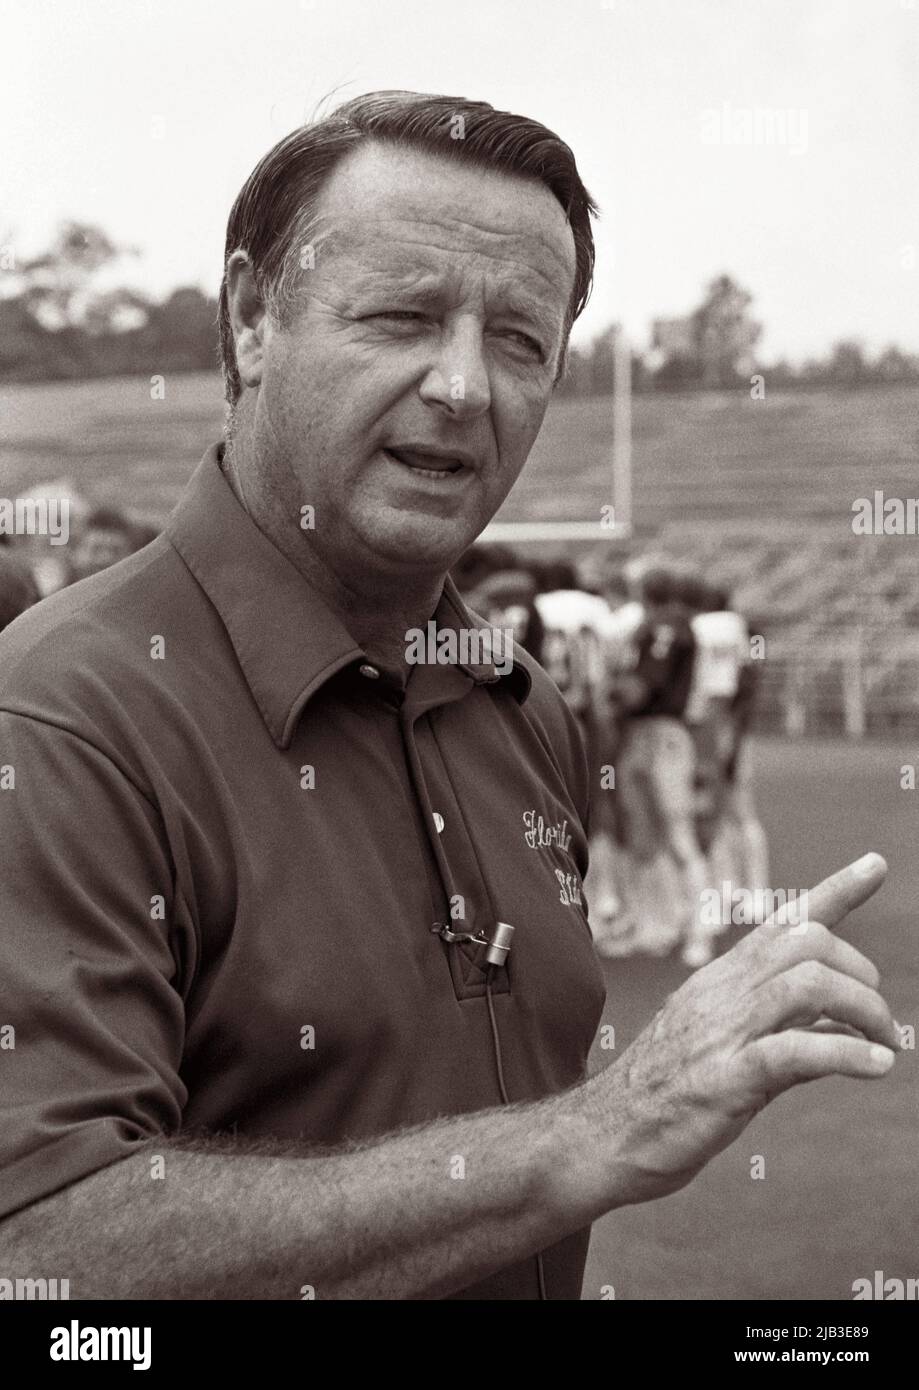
416 540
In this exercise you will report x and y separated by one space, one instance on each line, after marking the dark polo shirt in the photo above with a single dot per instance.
224 839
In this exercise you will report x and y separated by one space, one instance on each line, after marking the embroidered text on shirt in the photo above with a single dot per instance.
538 835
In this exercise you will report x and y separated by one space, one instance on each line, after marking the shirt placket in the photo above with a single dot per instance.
468 905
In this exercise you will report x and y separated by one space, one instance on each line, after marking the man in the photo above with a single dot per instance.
255 865
657 768
49 561
717 714
106 537
744 829
506 599
617 910
572 651
18 590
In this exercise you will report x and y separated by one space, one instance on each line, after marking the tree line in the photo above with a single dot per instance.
57 321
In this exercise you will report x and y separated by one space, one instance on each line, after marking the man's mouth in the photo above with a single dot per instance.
430 464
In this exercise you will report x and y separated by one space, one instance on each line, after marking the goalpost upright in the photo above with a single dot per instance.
614 515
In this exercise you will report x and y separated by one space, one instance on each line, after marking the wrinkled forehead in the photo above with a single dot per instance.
394 214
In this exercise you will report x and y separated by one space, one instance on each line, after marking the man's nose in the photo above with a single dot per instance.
458 380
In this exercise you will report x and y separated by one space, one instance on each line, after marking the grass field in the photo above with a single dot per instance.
797 456
840 1196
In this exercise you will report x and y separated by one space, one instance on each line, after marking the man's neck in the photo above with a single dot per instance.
377 609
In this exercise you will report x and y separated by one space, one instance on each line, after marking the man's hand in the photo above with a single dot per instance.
786 1005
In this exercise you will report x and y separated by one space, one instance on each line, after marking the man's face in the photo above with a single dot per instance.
99 548
402 399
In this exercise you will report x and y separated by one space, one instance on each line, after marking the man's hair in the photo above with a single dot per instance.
480 561
274 212
718 598
658 586
18 590
108 518
557 574
692 590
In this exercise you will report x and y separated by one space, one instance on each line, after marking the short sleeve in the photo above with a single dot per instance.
91 1018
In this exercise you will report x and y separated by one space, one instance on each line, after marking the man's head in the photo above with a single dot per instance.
558 574
400 282
659 586
717 599
106 537
17 588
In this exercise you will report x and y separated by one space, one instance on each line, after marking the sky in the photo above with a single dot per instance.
775 140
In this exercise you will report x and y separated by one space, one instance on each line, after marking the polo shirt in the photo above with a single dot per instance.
722 649
224 842
666 655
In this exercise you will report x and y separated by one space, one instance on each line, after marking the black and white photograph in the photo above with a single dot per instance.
459 668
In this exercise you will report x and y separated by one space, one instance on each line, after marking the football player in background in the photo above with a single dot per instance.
718 713
656 776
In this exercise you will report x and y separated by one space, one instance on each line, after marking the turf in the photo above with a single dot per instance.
839 1198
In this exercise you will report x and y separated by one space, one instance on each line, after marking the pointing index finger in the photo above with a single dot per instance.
835 897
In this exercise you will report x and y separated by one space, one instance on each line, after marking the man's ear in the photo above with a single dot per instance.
248 318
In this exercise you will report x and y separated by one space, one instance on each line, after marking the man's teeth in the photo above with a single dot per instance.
425 463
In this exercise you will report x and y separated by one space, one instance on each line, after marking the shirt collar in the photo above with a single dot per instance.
286 638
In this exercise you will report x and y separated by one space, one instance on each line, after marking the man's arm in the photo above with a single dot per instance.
389 1220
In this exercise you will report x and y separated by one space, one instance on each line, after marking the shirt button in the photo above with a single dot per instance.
369 671
438 821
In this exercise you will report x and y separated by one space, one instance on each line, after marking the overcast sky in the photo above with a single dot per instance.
145 116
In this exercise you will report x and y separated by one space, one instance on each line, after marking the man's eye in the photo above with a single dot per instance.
398 315
524 340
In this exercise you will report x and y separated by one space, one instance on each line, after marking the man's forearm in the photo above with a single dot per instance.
420 1214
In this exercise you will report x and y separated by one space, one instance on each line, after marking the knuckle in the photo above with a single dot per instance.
819 937
809 980
872 972
780 1058
881 1007
875 1006
760 1068
775 997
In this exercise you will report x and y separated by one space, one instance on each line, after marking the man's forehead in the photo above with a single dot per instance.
406 270
393 210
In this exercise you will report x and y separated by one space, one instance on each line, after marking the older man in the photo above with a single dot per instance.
258 869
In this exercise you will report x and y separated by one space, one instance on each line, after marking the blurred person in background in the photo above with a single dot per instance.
505 599
572 651
18 590
751 847
572 654
656 776
722 645
479 562
107 536
51 566
718 713
615 898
